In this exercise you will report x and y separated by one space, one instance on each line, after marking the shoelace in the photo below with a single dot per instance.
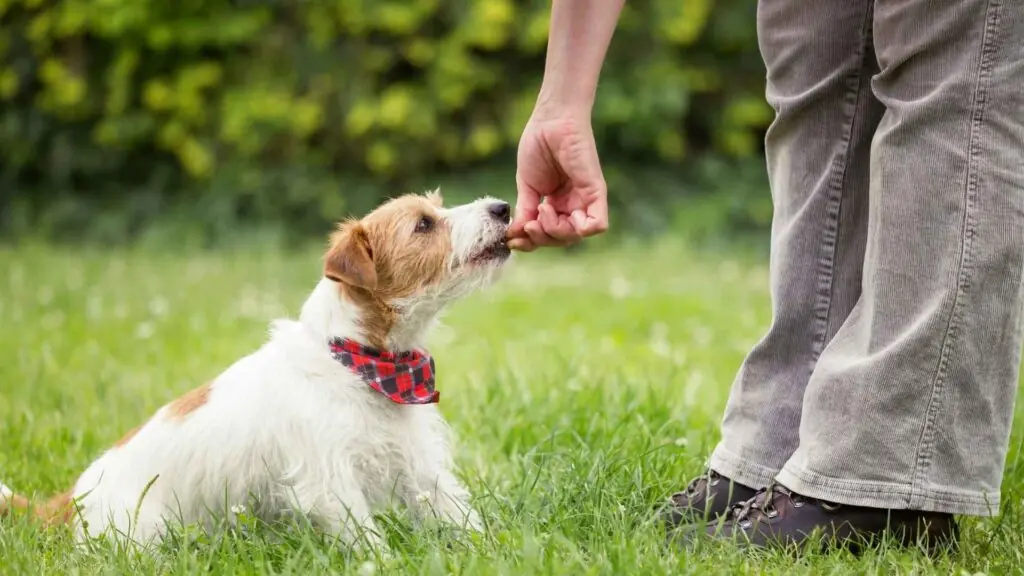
710 478
763 503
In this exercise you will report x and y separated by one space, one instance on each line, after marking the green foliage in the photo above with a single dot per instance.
114 112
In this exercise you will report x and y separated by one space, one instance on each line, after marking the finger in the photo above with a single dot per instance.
536 234
557 226
518 233
527 201
594 220
539 237
515 227
579 220
522 245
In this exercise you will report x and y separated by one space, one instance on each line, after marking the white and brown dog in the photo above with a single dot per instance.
333 417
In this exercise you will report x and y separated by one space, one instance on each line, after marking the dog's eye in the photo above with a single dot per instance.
426 224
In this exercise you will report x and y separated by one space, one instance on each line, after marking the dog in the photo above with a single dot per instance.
334 416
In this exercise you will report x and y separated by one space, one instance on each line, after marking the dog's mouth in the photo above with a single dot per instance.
496 252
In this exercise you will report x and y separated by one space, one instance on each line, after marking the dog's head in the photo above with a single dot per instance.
411 256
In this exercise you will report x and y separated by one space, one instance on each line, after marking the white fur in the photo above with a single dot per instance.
291 429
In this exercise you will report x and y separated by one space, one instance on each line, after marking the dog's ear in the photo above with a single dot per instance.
350 258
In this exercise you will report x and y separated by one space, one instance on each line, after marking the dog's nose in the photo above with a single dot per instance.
501 211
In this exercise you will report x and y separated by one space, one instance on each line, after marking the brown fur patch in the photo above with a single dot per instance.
404 259
57 510
189 402
13 503
350 259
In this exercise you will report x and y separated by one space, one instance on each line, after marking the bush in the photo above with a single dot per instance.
119 112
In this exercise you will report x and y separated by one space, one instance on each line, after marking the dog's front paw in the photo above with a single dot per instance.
462 521
473 522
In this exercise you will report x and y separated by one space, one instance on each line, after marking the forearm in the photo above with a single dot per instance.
580 33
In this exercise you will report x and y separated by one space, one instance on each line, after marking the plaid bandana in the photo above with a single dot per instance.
404 378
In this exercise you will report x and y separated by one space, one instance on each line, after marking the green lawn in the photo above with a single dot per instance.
583 391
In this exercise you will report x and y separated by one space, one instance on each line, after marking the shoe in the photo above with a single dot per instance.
778 517
707 497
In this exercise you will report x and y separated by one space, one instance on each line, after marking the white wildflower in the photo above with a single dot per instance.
158 306
619 288
144 330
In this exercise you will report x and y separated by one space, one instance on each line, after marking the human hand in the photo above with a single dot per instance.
562 196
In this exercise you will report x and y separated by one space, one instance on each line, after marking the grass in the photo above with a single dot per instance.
583 390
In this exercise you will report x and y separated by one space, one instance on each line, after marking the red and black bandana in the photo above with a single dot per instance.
404 377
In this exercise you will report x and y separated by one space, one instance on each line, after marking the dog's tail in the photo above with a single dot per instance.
55 511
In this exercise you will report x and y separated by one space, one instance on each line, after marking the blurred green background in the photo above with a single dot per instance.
199 122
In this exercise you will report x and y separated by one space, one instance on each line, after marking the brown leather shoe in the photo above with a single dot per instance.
707 497
778 517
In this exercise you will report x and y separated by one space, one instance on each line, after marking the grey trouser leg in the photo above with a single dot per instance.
820 61
909 402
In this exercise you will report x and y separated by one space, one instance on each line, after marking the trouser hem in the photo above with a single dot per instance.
741 470
888 495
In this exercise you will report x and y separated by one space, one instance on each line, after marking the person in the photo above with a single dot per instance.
880 399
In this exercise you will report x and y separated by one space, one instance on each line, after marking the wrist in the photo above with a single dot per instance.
552 105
